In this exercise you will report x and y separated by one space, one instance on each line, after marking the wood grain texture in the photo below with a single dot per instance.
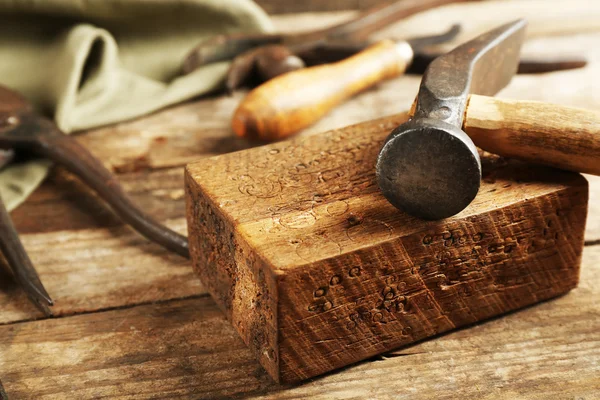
100 262
592 230
187 349
64 203
546 19
543 133
547 351
316 270
148 155
291 102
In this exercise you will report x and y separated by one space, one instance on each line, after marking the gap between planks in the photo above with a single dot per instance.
107 309
161 301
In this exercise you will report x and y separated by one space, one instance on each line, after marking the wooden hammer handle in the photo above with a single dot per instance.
558 136
296 100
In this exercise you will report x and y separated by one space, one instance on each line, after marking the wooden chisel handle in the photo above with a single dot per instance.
558 136
296 100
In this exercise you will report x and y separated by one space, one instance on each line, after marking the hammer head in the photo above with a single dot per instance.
429 167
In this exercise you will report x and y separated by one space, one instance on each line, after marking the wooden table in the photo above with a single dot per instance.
134 322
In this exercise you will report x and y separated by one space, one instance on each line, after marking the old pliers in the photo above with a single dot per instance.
24 131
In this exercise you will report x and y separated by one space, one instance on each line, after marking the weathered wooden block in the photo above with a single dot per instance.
316 270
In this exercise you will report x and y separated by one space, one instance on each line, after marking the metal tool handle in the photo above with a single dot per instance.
20 263
549 134
51 143
67 151
291 102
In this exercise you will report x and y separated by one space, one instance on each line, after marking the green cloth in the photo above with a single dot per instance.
95 62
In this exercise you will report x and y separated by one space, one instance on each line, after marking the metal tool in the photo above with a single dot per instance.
17 258
261 57
291 102
24 131
430 168
272 54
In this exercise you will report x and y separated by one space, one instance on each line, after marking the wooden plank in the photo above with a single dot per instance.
92 269
186 349
100 261
64 203
79 285
184 133
312 6
552 350
592 230
271 227
166 140
3 395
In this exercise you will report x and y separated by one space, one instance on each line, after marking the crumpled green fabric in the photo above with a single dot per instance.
95 62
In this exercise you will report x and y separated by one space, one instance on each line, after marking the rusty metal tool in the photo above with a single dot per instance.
528 64
430 167
291 102
16 256
24 131
265 56
269 55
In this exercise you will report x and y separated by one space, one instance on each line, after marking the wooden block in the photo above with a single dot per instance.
317 271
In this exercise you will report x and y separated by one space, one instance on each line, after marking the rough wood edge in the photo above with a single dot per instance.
247 273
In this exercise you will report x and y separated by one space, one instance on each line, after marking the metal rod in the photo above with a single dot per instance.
20 263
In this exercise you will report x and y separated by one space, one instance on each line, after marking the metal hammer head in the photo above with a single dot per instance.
429 167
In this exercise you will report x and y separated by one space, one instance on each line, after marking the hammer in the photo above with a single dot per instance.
429 166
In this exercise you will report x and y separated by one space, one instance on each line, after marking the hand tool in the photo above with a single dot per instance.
287 104
272 54
430 167
266 56
17 257
22 130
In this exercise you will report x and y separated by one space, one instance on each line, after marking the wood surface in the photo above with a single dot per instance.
291 102
558 136
547 351
316 270
187 349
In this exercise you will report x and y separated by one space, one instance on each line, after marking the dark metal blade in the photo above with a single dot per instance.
527 64
6 156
